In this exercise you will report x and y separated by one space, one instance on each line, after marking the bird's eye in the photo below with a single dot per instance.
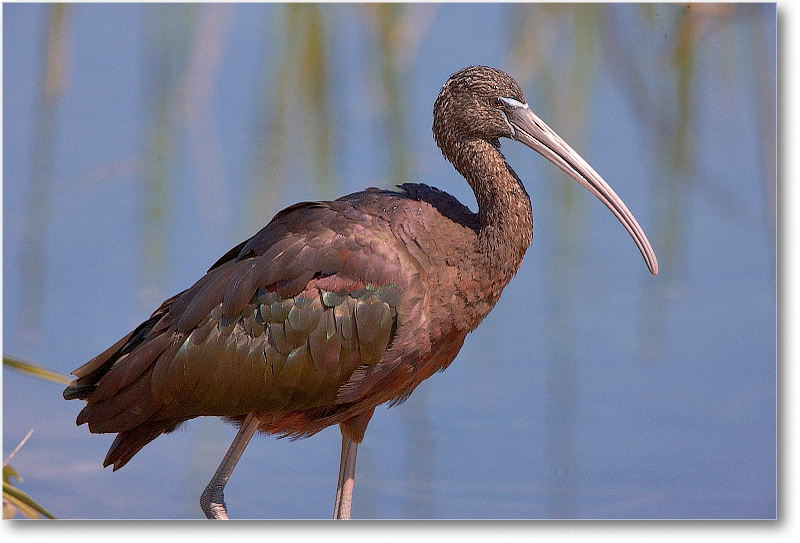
497 102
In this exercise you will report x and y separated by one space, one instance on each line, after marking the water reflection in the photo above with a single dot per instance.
39 199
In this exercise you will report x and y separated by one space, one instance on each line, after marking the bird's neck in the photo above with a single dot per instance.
504 209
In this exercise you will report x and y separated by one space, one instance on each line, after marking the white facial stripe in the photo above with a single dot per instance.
514 103
511 126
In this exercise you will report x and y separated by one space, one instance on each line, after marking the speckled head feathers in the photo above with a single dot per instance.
466 106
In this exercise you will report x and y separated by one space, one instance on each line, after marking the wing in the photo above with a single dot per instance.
278 325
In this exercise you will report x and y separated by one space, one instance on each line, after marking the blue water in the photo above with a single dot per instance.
593 390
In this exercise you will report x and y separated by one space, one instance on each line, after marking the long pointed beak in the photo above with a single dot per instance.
533 132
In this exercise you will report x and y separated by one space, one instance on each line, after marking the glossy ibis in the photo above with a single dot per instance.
334 308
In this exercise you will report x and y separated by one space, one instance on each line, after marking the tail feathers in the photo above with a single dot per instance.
131 441
90 373
78 391
128 409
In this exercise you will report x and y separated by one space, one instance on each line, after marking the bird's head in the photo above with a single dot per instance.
484 103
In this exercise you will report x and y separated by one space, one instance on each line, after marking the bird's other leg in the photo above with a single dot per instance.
347 474
352 434
212 501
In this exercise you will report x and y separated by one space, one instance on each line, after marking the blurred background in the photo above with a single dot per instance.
141 142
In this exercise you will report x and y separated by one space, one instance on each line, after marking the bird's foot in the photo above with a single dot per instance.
213 504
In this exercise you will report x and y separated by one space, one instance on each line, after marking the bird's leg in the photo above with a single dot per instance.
212 502
352 433
347 474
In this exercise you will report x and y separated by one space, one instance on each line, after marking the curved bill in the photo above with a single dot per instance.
533 132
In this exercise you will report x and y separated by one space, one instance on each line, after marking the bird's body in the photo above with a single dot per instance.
333 308
324 314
